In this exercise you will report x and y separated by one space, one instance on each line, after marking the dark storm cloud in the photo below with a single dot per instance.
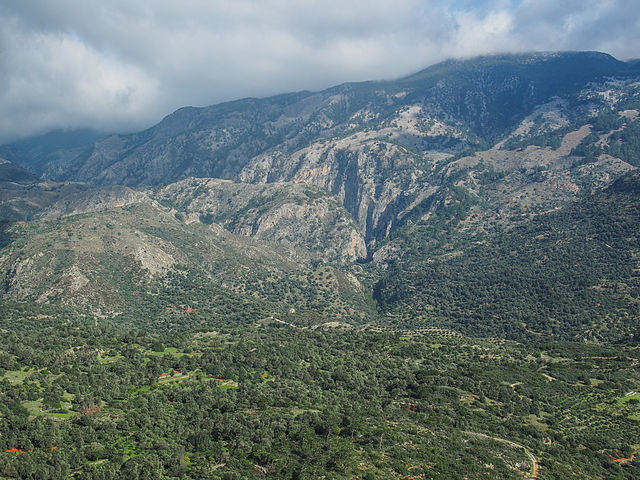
122 65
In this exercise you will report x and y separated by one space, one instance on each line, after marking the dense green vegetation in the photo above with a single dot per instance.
94 400
622 141
551 138
571 273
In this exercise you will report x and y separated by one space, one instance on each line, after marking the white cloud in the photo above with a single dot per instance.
54 79
122 65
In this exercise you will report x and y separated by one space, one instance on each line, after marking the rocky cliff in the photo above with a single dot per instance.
381 148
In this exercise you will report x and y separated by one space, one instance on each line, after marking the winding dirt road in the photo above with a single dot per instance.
535 468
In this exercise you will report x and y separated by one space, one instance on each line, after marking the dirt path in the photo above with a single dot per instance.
282 322
534 461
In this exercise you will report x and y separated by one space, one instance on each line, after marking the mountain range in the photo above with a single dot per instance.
493 195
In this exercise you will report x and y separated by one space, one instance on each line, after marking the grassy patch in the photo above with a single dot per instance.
467 398
144 388
109 358
537 422
33 406
174 377
549 359
172 351
298 410
633 395
61 415
15 377
623 403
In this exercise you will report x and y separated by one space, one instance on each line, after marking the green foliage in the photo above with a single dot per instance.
607 121
571 273
552 138
625 144
290 403
206 218
622 140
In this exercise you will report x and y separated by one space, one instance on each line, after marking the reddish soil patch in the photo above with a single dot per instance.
91 409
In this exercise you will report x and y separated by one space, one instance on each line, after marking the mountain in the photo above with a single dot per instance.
372 144
401 189
22 196
118 251
569 273
10 173
452 105
34 152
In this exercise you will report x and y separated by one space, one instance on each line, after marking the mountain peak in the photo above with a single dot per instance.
567 61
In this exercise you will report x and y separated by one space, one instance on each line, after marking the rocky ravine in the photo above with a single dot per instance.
303 220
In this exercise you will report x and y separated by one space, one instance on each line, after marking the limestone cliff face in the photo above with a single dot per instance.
305 221
374 179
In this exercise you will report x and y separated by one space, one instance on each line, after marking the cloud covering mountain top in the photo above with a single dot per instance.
121 65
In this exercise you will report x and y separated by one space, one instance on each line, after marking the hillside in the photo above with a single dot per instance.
303 221
117 251
208 402
35 152
379 147
360 188
570 273
10 173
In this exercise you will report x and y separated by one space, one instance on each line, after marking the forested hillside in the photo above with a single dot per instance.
569 273
213 401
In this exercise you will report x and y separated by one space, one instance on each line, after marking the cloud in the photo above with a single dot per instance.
122 65
54 79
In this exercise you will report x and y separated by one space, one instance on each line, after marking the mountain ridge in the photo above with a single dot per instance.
355 186
188 118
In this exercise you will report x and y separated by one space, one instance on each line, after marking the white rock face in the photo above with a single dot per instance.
305 221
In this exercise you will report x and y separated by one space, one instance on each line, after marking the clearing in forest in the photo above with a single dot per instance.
535 468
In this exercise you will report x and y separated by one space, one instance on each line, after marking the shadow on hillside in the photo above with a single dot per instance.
6 236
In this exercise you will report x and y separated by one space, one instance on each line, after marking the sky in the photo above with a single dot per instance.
121 65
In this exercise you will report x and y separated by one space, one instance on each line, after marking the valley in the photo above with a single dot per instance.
433 277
